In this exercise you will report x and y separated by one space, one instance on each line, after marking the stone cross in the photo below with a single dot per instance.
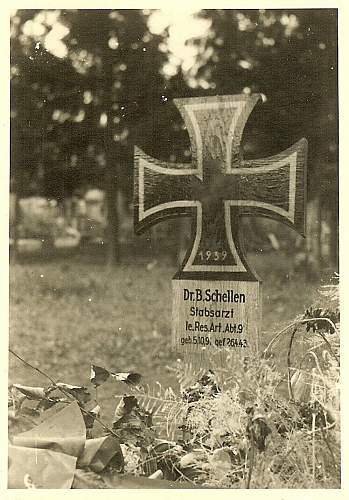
216 294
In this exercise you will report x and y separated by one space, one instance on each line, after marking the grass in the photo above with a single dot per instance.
69 313
66 314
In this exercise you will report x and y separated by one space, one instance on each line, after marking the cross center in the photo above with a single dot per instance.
216 185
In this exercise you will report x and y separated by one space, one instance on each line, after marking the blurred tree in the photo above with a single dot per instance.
81 81
38 78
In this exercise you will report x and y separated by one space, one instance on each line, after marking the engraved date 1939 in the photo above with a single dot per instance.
212 256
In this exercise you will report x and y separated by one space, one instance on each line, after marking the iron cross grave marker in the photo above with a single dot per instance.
216 295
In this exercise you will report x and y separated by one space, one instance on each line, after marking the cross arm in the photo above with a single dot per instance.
162 190
275 187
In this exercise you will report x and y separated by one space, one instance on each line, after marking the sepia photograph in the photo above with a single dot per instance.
174 249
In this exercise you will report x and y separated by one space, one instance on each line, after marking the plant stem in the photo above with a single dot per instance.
288 452
32 367
329 347
289 385
251 462
299 322
183 476
324 437
274 339
313 444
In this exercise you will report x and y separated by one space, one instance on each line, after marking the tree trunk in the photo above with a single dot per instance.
16 217
112 229
16 190
313 241
334 238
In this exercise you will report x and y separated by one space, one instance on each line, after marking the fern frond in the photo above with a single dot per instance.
163 404
187 374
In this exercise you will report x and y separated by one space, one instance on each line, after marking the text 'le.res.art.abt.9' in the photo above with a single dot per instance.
216 295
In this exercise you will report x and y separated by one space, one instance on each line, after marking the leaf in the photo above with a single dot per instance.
129 378
35 393
46 468
62 432
99 452
164 446
157 475
205 386
191 459
301 385
258 430
95 411
87 480
77 391
191 464
46 404
133 424
18 399
69 386
98 375
124 409
30 412
19 423
91 416
220 463
164 406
